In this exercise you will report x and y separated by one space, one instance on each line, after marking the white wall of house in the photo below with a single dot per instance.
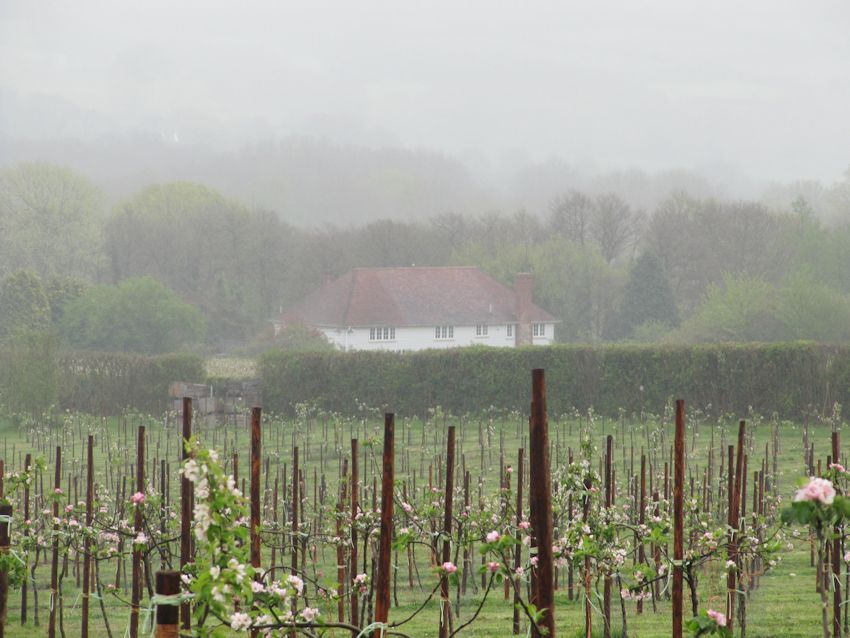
421 338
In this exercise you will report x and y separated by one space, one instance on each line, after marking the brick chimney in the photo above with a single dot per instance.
523 290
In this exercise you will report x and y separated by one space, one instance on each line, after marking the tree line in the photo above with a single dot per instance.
178 264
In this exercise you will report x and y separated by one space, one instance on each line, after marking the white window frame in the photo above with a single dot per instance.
509 330
444 333
538 330
481 330
382 333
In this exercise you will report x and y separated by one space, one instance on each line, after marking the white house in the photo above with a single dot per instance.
423 307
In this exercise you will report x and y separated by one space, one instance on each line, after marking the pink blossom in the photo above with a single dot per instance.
837 466
138 498
817 489
493 567
717 617
493 537
240 621
520 571
534 560
449 567
309 614
509 470
524 525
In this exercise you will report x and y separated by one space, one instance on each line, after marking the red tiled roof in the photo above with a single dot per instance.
415 296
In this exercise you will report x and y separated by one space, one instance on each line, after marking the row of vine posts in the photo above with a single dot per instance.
174 613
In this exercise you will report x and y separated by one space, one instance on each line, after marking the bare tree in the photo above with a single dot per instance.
571 215
452 229
615 225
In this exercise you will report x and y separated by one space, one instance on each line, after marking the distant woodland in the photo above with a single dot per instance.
178 264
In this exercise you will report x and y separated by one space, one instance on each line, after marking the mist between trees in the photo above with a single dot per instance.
180 266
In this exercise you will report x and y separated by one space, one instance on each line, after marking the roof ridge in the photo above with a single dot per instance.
409 295
416 268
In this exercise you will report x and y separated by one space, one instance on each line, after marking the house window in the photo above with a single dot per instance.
481 330
538 330
382 334
444 332
510 331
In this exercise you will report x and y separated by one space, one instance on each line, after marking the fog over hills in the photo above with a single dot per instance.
338 112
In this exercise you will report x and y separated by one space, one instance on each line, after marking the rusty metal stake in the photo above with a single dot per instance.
541 496
382 601
678 517
186 497
167 615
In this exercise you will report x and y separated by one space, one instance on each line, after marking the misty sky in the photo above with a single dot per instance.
760 87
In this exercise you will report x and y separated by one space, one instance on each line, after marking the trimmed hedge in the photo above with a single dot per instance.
108 382
786 378
28 374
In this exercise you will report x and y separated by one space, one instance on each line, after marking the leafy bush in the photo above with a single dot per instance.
23 304
137 315
28 371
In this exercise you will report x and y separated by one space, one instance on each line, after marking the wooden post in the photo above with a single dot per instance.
532 518
296 500
734 523
5 510
186 497
678 516
54 564
642 520
656 551
836 556
136 592
167 616
256 458
467 563
355 489
741 587
256 453
27 464
445 603
340 549
541 496
606 596
518 548
570 574
503 496
382 602
84 629
588 610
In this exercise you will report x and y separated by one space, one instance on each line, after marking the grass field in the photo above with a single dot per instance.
784 605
